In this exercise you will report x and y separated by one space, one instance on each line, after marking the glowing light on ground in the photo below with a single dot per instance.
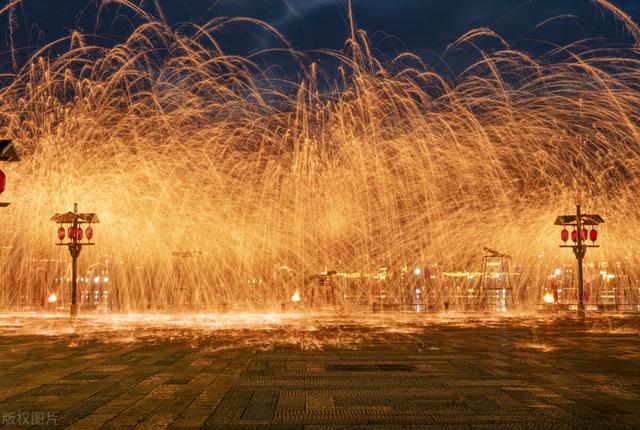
295 297
307 330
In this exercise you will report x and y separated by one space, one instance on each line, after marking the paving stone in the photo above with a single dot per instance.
471 376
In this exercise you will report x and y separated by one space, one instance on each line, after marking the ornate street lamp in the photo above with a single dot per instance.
75 235
579 237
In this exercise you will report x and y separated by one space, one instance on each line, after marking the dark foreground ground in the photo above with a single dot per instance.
368 372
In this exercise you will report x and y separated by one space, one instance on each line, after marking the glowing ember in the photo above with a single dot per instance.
295 297
52 298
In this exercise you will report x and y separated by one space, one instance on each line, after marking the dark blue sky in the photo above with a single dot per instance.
424 26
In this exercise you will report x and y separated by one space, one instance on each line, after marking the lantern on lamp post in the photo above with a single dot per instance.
579 237
75 235
7 153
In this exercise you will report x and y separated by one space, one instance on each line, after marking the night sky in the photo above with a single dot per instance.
394 26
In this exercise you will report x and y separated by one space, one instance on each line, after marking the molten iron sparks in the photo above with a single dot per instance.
220 187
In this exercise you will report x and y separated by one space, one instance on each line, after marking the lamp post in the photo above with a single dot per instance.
579 237
75 234
7 153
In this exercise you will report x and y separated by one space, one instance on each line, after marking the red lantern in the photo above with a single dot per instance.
61 233
574 235
80 233
585 234
3 181
89 233
564 235
593 235
71 232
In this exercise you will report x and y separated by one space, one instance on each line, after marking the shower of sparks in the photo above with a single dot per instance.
219 187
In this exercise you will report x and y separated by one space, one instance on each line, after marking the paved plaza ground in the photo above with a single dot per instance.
319 372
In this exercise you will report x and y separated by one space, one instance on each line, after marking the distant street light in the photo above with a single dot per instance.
75 234
579 236
7 153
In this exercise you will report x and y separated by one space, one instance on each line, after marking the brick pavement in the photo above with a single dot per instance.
485 376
